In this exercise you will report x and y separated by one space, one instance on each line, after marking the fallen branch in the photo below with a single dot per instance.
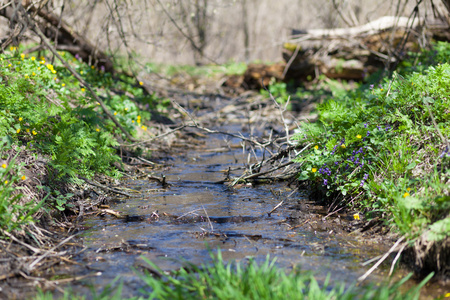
383 258
78 77
104 187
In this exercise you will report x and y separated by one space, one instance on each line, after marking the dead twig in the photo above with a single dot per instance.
383 258
104 187
31 266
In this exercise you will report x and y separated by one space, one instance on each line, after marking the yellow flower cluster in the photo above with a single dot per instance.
51 68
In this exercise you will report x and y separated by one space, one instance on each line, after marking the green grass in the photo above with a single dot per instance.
232 68
220 280
383 148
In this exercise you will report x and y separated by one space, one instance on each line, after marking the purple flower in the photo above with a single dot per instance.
365 125
371 87
325 182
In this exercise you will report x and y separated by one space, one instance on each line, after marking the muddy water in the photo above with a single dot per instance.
196 213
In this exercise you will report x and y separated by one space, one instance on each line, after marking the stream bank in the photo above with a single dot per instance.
194 211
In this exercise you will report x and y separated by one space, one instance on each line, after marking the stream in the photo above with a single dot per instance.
196 213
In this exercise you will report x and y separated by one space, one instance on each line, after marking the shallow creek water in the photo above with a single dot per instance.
173 223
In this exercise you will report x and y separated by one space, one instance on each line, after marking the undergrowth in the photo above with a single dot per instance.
44 109
384 148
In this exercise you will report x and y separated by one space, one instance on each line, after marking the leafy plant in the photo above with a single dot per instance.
14 211
379 148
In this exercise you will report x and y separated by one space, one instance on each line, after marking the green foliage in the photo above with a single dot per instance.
14 212
382 148
231 68
266 281
278 90
44 108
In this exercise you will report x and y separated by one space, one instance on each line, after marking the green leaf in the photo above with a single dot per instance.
439 230
411 166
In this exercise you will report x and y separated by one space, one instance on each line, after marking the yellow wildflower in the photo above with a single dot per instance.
18 130
33 74
50 66
141 83
144 127
23 177
138 120
22 56
26 76
53 71
4 166
138 117
81 72
408 189
9 65
12 48
42 62
33 58
34 132
343 146
28 130
314 170
356 216
132 121
55 78
63 84
126 108
6 182
83 89
115 113
316 147
405 195
97 129
381 89
92 67
20 119
358 136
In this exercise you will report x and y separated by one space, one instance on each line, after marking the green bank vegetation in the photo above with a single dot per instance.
44 110
383 148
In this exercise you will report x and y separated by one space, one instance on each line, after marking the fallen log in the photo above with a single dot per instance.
353 53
